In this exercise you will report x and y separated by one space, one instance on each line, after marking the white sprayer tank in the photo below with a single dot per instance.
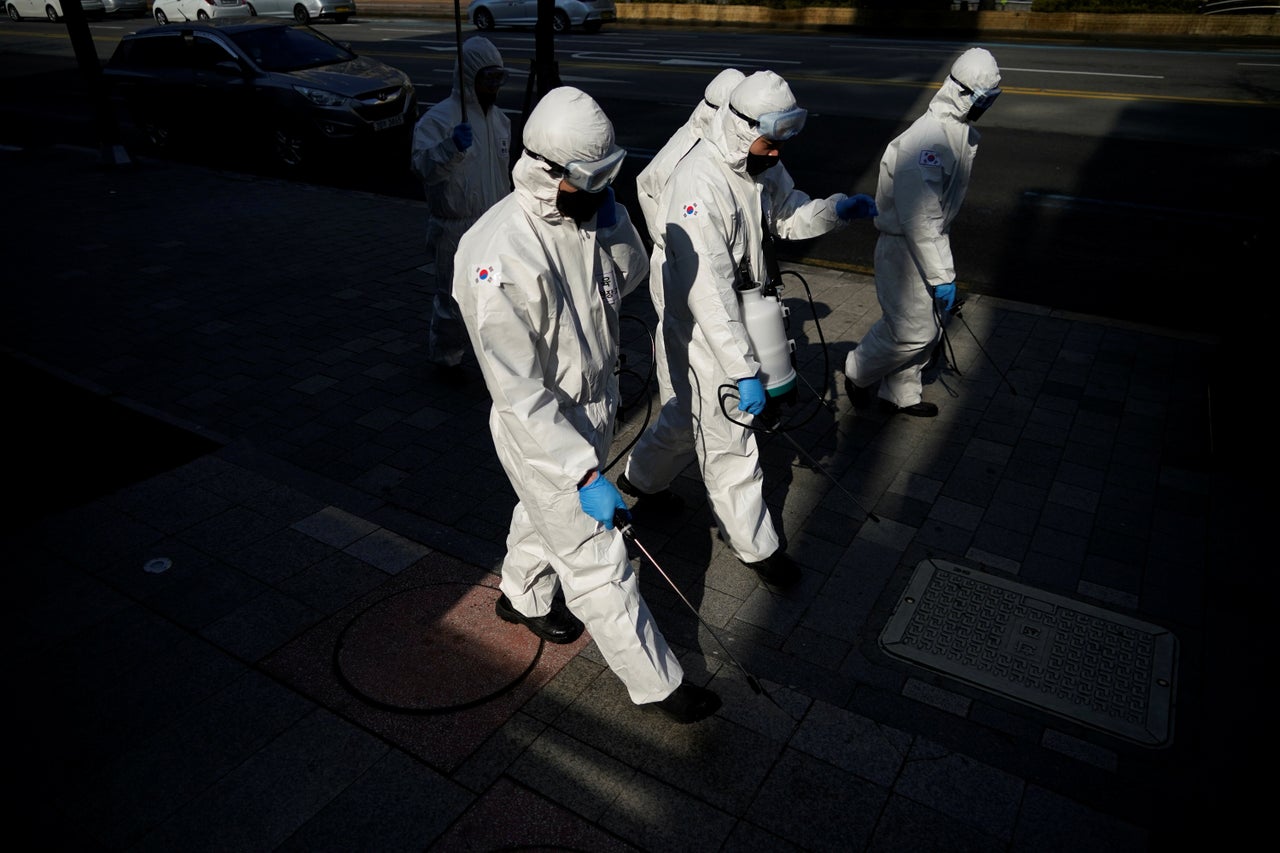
765 319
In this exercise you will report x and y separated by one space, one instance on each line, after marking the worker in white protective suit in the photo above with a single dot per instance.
461 150
650 184
539 280
718 201
923 177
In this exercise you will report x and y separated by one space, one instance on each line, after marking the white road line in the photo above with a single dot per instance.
1004 68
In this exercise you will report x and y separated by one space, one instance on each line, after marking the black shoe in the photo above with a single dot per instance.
777 569
915 410
665 501
858 396
558 626
688 704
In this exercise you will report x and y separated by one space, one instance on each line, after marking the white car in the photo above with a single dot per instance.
304 11
589 15
125 8
177 11
51 9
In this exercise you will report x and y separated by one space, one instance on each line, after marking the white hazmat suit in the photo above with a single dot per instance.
650 184
924 174
459 185
715 214
540 296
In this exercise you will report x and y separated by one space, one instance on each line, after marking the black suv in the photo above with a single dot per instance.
288 91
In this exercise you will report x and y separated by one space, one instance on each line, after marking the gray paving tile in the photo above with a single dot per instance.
335 527
816 805
967 790
280 556
488 763
387 551
1048 822
143 786
1081 750
261 625
853 743
568 771
774 712
906 826
749 838
656 816
938 697
205 594
264 801
333 583
399 804
717 761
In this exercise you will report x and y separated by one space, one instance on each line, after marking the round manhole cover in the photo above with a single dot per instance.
433 648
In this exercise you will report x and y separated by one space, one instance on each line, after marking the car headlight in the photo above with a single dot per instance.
320 97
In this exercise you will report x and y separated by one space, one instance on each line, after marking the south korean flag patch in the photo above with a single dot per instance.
487 274
689 209
929 158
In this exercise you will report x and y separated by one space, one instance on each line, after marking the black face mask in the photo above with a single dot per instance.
486 99
757 163
579 206
974 114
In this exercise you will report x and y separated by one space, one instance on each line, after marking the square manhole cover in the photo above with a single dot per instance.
1090 665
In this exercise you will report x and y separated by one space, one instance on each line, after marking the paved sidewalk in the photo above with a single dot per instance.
255 540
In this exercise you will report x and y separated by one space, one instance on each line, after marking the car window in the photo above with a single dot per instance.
165 51
206 53
289 48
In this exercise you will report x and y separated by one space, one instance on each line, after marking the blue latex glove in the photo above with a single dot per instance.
600 499
751 397
607 215
860 206
946 294
462 136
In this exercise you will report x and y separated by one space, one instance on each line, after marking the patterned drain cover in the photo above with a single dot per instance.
1098 668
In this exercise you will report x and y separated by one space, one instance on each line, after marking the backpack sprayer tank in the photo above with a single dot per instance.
766 320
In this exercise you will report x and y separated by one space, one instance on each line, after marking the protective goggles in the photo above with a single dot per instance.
779 126
587 175
491 77
979 99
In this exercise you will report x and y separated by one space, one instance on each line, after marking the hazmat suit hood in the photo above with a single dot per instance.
714 97
477 53
567 125
976 69
763 92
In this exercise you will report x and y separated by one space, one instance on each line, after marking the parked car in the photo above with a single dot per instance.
258 84
125 8
165 11
51 9
589 15
304 11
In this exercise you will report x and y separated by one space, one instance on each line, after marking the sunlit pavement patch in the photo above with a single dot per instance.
1096 667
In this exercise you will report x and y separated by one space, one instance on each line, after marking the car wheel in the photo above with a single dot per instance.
158 135
253 13
592 26
202 15
289 148
13 13
161 18
51 13
301 15
560 22
483 19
